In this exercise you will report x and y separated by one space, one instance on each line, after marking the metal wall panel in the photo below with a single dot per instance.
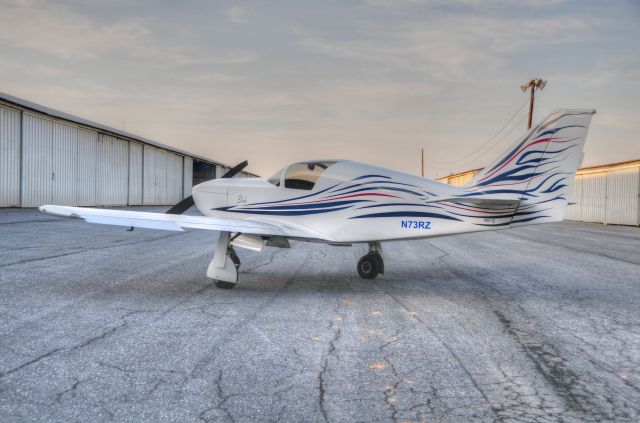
187 178
574 208
461 180
86 189
161 177
135 174
64 164
149 179
113 170
9 157
594 197
37 164
623 186
174 178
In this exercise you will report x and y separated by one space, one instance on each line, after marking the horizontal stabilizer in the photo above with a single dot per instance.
485 201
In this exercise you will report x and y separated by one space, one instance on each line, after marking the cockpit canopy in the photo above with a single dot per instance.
302 175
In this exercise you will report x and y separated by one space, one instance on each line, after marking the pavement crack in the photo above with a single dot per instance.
324 366
220 405
553 367
447 347
86 250
210 357
56 351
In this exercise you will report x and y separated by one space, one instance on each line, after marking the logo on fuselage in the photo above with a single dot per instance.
415 224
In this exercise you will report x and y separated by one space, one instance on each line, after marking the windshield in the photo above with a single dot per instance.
304 175
275 179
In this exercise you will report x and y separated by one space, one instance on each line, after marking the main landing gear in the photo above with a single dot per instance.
223 268
370 265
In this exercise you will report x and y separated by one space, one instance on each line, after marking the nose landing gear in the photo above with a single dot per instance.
371 264
234 257
223 268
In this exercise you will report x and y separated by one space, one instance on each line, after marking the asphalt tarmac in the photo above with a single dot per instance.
533 324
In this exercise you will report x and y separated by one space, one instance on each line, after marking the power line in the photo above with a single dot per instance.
495 144
470 155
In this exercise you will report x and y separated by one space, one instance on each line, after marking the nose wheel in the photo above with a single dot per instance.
223 268
371 264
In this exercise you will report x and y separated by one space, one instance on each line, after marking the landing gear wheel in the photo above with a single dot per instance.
368 266
224 285
234 258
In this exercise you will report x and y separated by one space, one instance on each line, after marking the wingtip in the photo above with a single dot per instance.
55 210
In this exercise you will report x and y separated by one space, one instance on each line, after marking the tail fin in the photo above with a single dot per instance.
539 169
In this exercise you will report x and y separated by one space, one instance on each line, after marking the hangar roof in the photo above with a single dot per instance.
76 119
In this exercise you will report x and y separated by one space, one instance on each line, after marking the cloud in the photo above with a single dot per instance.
237 14
402 4
61 32
214 77
452 47
619 118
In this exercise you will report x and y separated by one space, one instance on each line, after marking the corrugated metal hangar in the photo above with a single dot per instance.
608 194
50 157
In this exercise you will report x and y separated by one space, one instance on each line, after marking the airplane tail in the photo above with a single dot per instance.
538 171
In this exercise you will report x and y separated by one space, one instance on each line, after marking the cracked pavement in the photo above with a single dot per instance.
537 324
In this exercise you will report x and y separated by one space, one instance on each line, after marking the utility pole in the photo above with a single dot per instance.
422 161
534 84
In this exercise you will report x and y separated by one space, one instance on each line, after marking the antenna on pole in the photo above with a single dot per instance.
422 162
534 84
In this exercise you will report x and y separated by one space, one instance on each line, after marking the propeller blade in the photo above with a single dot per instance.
235 170
182 206
188 202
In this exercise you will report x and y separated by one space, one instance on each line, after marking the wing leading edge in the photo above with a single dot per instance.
172 222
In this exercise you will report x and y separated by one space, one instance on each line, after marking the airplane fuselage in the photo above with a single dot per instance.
352 202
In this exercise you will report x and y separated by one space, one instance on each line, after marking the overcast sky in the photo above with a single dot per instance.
375 81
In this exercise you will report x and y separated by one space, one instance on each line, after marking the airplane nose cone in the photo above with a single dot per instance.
211 195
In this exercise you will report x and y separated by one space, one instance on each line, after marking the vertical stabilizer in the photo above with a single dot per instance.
539 169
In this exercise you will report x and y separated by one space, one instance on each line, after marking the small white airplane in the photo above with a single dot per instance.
342 202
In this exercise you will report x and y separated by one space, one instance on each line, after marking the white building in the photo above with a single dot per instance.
50 157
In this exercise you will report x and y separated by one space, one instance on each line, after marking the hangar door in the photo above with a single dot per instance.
135 174
174 178
162 181
113 171
187 176
86 192
594 197
154 179
64 160
9 157
623 186
49 161
574 206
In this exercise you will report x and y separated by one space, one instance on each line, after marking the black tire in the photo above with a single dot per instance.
235 259
368 267
224 285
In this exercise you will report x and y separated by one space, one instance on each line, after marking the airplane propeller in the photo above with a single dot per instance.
188 202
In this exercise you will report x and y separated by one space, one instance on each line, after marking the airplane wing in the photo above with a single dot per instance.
173 222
